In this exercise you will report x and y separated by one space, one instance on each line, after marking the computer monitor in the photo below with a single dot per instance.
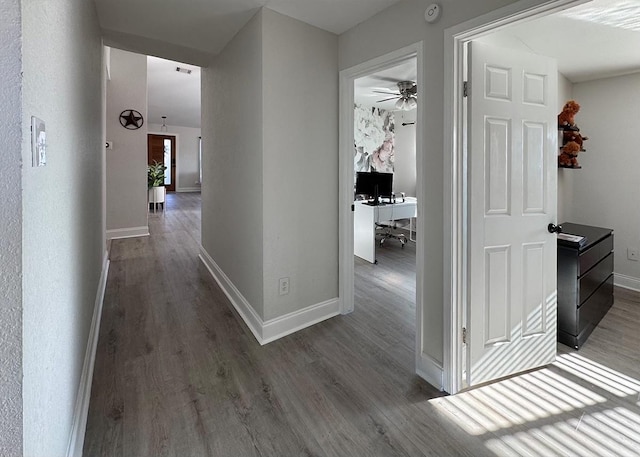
374 185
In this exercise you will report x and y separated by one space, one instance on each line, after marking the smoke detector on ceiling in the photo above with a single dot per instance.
183 70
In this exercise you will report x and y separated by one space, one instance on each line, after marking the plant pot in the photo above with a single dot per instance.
157 195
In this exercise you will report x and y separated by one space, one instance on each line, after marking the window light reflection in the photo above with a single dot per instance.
601 376
565 409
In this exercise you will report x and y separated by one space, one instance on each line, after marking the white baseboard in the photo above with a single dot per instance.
188 189
430 370
78 429
626 282
130 232
246 311
272 329
278 327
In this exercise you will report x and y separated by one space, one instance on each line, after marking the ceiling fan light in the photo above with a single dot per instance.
411 103
401 103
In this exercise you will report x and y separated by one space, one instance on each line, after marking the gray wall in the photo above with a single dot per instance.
392 29
232 160
300 131
11 229
261 156
404 174
127 162
63 225
605 190
187 152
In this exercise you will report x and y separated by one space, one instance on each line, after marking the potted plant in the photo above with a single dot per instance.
155 182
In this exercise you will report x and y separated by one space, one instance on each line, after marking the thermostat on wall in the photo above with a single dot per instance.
432 13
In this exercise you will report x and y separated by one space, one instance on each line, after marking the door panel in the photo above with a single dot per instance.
512 141
162 148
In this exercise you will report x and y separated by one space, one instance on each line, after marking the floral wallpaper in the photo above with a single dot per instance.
374 139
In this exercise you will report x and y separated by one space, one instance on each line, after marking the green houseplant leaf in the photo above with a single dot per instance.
155 174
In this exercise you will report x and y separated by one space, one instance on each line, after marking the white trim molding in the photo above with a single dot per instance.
188 189
271 329
430 370
129 232
626 282
78 429
278 327
246 311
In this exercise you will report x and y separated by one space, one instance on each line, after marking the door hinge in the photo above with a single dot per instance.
353 207
465 88
464 335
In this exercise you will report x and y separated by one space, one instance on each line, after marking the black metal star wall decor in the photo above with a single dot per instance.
131 119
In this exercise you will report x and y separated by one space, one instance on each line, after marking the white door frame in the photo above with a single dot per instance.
455 204
345 163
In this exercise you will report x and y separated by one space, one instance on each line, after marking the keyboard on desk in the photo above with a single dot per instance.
376 204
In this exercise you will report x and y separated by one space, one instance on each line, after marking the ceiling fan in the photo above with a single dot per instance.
406 95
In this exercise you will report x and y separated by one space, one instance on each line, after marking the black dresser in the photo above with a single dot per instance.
585 282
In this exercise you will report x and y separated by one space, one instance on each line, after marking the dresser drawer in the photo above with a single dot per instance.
591 256
588 283
594 309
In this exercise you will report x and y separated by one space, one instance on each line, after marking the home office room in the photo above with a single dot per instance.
385 204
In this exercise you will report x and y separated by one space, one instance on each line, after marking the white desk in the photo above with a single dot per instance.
364 223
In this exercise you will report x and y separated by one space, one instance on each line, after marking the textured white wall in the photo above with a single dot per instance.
300 131
605 190
127 162
11 229
187 152
63 225
232 161
404 175
399 26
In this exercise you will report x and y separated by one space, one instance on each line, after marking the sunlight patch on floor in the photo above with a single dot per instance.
598 375
576 407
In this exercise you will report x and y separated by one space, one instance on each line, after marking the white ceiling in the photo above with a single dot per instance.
173 94
595 40
206 26
384 81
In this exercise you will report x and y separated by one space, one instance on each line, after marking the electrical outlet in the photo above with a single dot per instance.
632 254
283 286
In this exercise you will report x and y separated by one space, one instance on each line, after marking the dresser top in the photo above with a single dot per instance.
592 234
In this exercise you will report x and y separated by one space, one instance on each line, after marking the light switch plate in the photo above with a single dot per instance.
38 142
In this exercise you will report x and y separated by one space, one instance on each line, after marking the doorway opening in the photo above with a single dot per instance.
385 168
457 223
162 149
378 74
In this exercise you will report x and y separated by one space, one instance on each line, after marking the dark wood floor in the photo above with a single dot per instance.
178 374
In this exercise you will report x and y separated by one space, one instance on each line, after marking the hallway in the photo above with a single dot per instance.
178 374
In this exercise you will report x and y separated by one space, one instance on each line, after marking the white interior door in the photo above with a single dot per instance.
512 143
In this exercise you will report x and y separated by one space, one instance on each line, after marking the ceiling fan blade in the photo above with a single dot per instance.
386 93
386 99
384 78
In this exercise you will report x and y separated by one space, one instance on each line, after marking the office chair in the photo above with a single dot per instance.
387 233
